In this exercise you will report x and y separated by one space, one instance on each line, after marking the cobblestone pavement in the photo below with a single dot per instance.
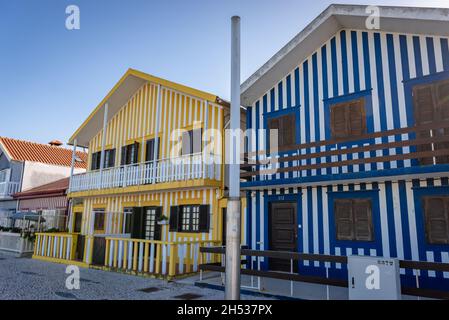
26 279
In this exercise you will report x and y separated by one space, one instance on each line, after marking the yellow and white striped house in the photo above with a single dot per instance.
154 191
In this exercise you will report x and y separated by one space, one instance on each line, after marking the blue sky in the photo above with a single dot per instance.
52 78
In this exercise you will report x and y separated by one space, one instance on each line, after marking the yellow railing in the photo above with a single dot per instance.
55 245
162 258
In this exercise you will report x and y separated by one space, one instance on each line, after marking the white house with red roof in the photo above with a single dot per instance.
26 165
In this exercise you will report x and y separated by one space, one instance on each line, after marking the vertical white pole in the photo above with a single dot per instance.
156 132
233 219
103 142
72 167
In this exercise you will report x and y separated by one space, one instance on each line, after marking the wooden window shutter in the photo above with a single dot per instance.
343 219
363 221
197 141
437 224
186 143
357 118
93 165
339 116
424 106
111 158
288 131
123 156
174 218
135 154
442 97
149 154
157 227
137 225
204 218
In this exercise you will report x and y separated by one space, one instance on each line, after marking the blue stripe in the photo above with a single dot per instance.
344 54
310 218
418 58
366 60
445 53
298 98
289 91
431 55
259 123
280 96
316 97
334 66
324 64
355 60
381 91
308 108
321 230
390 216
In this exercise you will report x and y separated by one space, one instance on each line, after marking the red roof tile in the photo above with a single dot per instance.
20 150
57 187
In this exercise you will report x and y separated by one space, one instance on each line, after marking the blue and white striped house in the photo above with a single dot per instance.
362 116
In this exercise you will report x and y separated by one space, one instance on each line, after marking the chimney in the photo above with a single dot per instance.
55 143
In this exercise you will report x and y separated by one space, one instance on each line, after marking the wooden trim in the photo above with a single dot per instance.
362 149
379 134
416 155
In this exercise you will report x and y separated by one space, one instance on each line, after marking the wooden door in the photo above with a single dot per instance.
283 233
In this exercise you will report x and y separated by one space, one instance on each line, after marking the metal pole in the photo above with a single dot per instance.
232 288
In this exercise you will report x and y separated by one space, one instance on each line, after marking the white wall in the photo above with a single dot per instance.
36 174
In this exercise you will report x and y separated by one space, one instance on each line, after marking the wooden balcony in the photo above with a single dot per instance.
184 168
422 148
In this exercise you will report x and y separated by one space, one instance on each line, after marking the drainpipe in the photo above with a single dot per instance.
233 219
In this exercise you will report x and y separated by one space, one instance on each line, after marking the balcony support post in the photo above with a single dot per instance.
156 134
103 143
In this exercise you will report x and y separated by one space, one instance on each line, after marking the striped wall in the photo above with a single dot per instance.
397 217
114 206
374 64
137 120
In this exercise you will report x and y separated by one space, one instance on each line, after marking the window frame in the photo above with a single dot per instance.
268 116
349 130
101 228
426 218
354 220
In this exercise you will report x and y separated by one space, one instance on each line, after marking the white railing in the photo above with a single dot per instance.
8 188
183 168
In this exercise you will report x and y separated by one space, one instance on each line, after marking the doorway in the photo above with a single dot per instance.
283 233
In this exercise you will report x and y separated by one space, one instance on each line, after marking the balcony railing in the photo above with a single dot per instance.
189 167
418 146
8 188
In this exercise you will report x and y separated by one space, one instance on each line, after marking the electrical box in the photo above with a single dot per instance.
373 278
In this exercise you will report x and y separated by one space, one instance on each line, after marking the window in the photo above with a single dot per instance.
128 214
348 119
99 219
286 126
149 155
78 222
431 103
130 154
353 219
192 141
436 212
109 159
189 218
